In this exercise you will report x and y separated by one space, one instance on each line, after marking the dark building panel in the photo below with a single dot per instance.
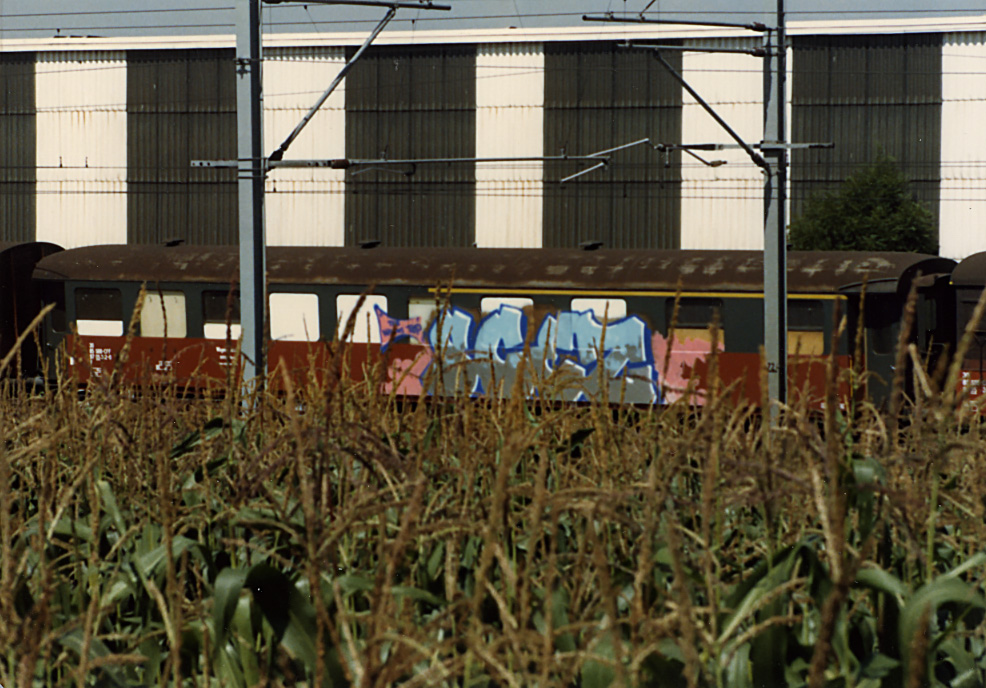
868 95
599 96
18 139
181 106
406 103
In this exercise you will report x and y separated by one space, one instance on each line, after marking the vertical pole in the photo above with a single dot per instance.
775 217
250 183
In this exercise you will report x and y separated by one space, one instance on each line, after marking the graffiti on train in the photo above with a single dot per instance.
568 348
395 328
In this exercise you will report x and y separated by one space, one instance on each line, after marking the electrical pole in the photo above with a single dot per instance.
250 186
774 162
251 164
775 151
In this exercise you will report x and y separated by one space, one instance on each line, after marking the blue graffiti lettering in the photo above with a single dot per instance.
501 333
457 331
568 346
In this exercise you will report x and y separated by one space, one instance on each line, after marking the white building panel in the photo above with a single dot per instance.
81 147
722 205
963 145
509 123
305 212
305 206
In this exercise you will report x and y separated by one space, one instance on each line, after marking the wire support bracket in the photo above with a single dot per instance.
641 19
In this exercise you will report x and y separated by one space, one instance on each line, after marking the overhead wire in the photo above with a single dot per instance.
38 22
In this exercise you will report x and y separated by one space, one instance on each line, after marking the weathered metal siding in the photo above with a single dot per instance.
722 207
17 138
963 189
409 102
597 96
867 94
181 106
509 123
305 206
82 148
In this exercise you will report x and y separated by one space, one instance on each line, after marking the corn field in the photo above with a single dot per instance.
332 535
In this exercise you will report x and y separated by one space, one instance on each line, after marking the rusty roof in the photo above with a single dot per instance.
697 271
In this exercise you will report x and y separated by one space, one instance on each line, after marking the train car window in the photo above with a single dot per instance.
218 309
99 312
881 340
806 327
294 317
693 313
805 314
54 292
163 315
366 326
966 309
805 343
879 318
489 304
695 318
424 307
604 309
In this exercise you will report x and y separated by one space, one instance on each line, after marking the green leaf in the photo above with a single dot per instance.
953 651
435 561
417 594
598 673
350 584
243 596
747 597
121 588
146 567
73 640
470 551
882 581
738 672
74 528
878 666
152 564
976 561
211 429
943 590
564 642
242 622
768 651
108 501
226 595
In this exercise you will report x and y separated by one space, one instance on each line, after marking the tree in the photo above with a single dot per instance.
871 211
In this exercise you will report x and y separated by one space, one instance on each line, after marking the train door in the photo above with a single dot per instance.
974 360
881 323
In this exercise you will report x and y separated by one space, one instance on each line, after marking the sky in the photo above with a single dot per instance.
47 18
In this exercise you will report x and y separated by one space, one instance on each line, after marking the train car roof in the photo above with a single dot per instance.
695 271
41 247
971 271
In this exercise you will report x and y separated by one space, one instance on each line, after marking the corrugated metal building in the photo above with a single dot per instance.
18 134
869 95
99 134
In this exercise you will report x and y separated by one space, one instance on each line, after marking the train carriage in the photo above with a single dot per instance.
581 318
967 282
20 301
